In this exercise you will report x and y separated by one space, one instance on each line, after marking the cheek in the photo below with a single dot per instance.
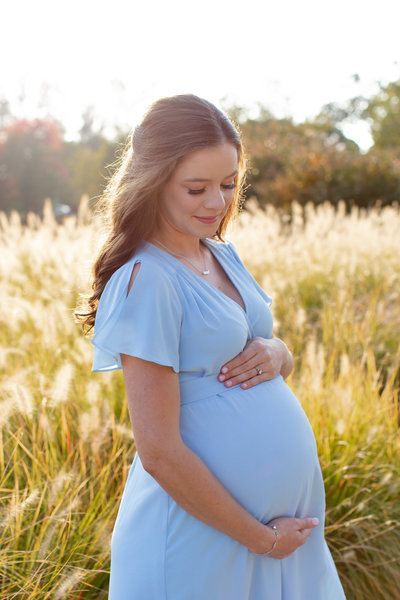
184 205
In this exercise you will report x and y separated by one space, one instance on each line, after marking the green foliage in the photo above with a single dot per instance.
384 112
312 161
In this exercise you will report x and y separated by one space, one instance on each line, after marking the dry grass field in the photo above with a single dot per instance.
65 437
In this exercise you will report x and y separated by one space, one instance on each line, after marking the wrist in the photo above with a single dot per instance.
276 533
286 355
265 539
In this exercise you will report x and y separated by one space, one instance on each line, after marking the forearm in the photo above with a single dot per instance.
186 478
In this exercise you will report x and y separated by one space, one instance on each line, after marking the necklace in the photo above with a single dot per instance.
203 272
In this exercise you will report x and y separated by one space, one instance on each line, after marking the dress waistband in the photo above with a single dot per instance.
199 388
202 387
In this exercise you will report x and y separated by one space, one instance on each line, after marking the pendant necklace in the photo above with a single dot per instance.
203 272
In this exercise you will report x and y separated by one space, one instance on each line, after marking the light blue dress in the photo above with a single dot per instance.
258 442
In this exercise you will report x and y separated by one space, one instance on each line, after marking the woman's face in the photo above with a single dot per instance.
183 201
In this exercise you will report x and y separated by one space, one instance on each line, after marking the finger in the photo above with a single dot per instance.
256 379
247 379
252 361
234 380
307 523
247 375
248 369
232 368
268 369
240 360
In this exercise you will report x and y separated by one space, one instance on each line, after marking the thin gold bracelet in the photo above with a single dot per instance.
276 531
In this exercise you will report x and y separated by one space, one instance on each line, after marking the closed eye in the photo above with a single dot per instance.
226 187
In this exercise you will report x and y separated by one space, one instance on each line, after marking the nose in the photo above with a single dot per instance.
215 201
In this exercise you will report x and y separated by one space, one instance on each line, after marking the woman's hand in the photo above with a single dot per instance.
292 533
271 355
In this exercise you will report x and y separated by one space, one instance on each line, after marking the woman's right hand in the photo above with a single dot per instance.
292 533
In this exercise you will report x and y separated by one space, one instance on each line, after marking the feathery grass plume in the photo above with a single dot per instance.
90 423
93 392
16 398
16 508
69 582
61 386
335 282
50 529
58 483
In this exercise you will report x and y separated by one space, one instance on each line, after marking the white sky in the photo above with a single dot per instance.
290 56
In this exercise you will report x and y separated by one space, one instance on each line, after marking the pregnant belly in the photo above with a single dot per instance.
259 443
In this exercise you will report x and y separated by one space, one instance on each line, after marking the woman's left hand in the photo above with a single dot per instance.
268 354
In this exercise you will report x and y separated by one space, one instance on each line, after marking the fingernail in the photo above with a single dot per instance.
224 369
315 521
229 383
221 377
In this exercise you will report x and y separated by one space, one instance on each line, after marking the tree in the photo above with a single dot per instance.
383 110
31 164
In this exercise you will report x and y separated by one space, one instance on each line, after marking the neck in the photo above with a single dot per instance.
192 249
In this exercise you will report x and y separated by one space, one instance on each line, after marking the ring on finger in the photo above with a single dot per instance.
259 371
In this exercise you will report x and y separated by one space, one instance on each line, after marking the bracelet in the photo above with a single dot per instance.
276 531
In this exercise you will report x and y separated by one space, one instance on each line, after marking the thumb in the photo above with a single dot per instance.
308 522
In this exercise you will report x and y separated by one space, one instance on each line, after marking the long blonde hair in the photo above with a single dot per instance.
171 128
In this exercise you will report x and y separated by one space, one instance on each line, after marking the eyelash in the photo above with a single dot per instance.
226 187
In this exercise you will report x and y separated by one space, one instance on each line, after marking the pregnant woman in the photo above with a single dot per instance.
220 496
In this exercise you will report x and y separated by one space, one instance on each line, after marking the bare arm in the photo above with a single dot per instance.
154 407
154 404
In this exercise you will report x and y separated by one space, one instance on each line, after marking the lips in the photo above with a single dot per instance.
207 219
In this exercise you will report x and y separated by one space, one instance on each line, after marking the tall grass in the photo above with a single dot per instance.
65 437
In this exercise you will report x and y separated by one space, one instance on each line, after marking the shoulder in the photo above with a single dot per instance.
219 245
148 276
149 282
143 321
152 288
226 247
151 270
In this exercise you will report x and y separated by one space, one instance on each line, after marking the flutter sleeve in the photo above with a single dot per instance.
236 257
144 323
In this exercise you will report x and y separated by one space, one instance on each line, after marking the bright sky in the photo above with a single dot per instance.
290 56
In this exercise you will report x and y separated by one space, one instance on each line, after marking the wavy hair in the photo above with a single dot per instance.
172 127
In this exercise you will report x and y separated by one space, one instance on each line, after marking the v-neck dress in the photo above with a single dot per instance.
258 441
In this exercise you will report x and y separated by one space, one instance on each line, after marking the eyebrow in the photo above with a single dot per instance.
199 178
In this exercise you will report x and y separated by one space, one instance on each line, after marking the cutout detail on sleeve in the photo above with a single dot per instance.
144 323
